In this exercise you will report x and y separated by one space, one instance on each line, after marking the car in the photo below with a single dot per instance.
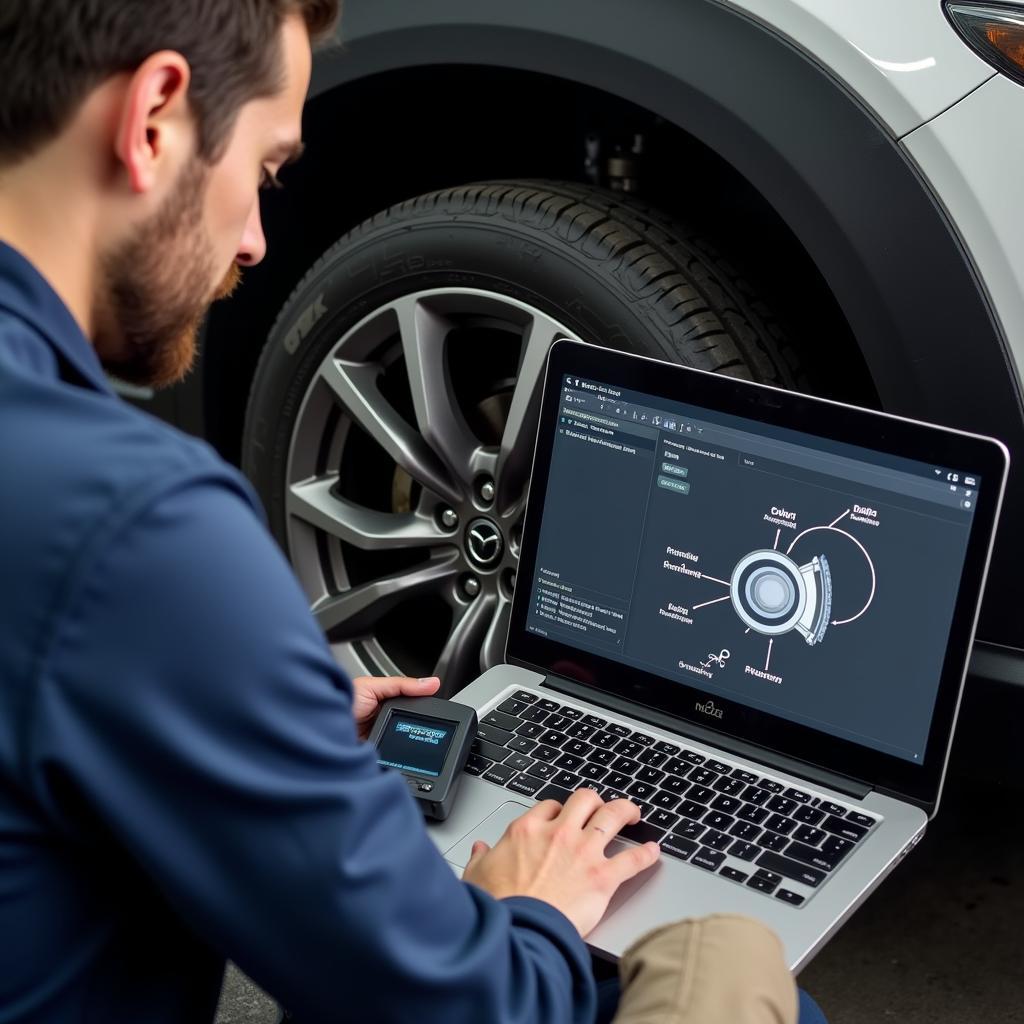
813 195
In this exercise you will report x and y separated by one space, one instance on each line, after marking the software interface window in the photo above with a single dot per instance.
812 580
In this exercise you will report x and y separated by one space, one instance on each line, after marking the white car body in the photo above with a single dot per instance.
956 117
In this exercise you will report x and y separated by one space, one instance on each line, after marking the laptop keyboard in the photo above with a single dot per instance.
747 827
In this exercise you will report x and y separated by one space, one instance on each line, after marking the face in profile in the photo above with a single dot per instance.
157 286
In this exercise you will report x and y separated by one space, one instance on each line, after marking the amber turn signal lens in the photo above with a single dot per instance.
1009 40
994 33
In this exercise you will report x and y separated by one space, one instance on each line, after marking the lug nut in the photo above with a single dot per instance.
487 491
471 586
450 518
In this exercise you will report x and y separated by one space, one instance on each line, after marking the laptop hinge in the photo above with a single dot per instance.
820 776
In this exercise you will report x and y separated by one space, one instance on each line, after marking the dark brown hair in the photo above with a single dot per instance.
53 53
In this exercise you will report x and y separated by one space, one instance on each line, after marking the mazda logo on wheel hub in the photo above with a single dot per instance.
484 544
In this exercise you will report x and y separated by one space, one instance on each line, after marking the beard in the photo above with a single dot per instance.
157 290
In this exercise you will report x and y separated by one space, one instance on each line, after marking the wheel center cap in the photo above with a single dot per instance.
484 543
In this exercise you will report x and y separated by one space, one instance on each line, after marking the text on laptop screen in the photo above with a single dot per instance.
810 579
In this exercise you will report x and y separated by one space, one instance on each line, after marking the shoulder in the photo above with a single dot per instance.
86 459
80 466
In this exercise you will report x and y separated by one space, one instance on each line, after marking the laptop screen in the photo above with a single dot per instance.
790 573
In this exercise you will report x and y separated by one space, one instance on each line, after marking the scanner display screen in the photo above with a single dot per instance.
415 743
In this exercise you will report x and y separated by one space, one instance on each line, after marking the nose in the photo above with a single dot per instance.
253 246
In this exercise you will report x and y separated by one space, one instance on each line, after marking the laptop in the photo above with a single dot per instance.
748 611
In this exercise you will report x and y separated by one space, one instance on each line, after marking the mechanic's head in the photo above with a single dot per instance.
151 127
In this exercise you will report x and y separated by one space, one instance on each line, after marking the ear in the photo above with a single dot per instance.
154 118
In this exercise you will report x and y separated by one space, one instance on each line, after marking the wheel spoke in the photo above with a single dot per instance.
492 652
424 334
521 427
459 661
313 502
354 613
356 387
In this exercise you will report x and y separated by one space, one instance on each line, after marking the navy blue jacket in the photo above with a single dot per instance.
180 777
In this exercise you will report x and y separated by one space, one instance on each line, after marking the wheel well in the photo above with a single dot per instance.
387 137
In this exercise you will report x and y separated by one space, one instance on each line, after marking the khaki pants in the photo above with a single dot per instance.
722 969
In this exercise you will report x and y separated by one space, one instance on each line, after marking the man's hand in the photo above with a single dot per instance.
556 854
371 690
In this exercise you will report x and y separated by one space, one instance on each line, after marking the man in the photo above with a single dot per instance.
181 774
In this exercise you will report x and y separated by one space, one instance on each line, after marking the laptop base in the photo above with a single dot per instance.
675 889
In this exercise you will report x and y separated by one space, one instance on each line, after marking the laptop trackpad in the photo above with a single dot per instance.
492 828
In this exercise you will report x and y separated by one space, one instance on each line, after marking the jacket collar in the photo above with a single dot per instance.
26 293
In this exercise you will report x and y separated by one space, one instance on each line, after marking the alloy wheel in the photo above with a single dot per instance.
406 480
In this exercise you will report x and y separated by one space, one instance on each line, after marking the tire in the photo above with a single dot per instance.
396 395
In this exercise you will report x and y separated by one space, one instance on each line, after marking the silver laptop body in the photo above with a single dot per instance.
734 642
